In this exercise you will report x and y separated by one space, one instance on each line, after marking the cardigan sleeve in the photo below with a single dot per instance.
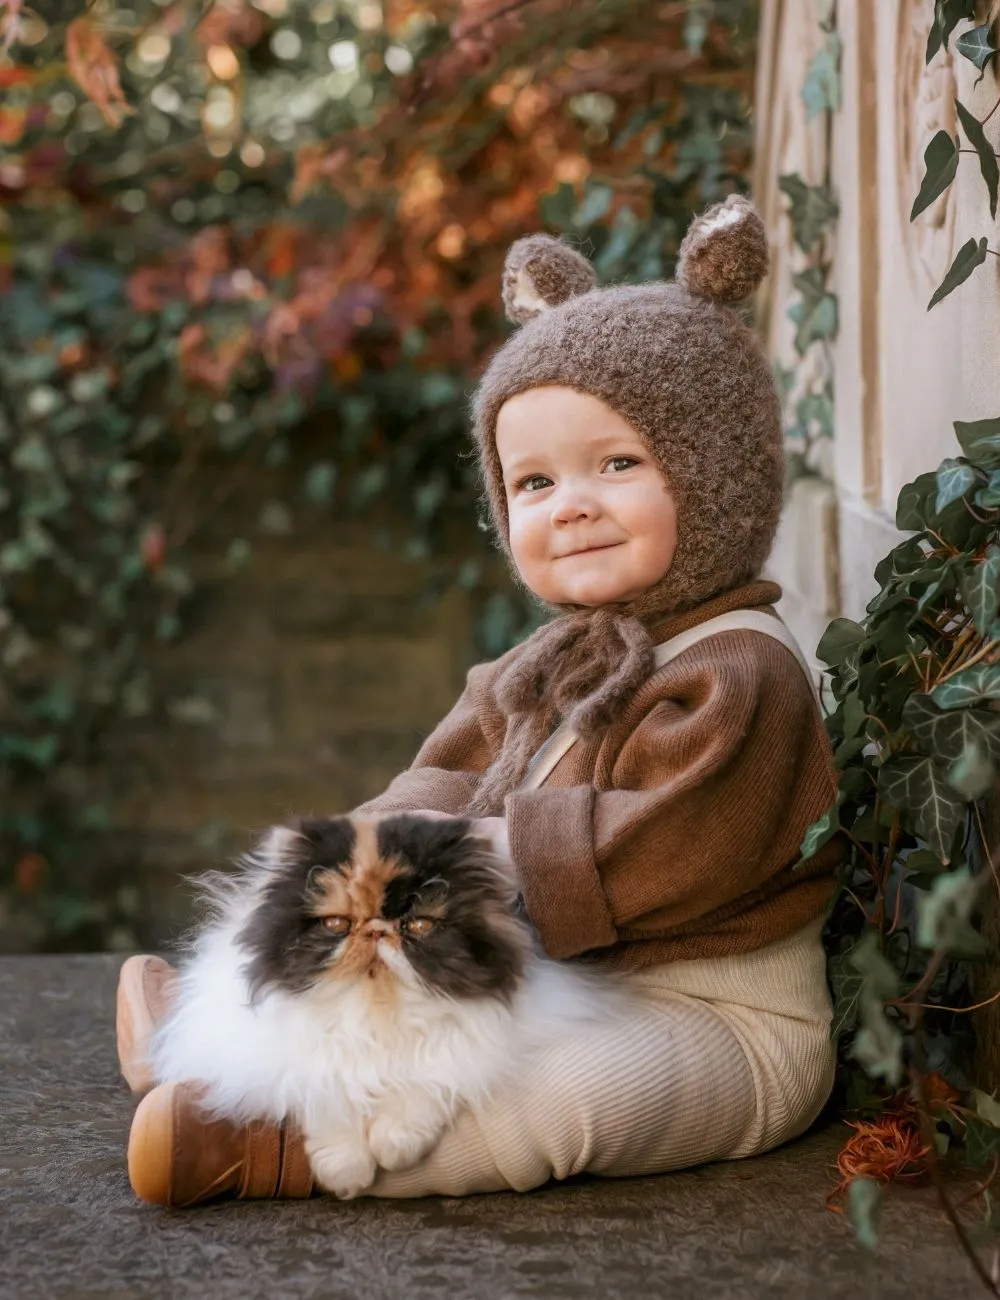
708 797
448 765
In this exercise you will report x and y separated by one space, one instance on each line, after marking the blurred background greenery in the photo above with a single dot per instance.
249 271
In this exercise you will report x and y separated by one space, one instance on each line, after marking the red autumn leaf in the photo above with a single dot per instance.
153 547
95 70
29 871
11 76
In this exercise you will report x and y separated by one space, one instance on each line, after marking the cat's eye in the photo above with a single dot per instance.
418 926
338 925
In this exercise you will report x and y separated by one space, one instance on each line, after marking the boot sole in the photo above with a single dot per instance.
151 1146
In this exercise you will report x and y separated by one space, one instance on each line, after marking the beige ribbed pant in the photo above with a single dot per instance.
726 1057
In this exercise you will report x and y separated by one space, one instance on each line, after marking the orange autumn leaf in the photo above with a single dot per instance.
95 70
313 161
886 1148
12 124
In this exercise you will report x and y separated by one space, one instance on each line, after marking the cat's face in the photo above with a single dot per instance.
404 899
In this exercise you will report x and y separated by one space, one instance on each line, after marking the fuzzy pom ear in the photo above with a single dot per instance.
541 272
724 253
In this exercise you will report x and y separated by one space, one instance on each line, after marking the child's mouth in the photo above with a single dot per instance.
587 550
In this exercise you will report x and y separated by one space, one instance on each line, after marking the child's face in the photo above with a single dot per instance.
591 517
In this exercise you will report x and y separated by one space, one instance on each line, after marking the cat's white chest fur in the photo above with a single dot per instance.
371 1070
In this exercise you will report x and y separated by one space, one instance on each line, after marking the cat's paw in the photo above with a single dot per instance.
345 1168
398 1143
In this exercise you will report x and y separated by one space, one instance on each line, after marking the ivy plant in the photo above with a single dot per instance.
915 726
807 390
943 151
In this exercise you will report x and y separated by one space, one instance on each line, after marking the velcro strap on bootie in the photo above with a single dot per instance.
261 1161
274 1164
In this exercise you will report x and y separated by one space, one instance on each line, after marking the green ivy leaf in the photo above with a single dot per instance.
980 441
917 786
855 729
696 26
815 318
816 408
320 481
982 1142
988 497
902 560
864 1209
595 205
988 165
842 638
944 912
940 166
846 985
976 46
974 774
881 977
945 736
912 503
625 228
558 206
947 15
878 1044
987 1107
925 862
812 208
954 479
980 590
971 686
821 831
969 256
821 91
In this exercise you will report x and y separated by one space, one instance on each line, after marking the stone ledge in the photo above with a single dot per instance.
70 1227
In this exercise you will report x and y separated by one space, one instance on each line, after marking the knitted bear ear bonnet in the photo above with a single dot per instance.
681 368
690 378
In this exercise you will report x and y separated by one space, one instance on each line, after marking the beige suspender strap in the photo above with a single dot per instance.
753 620
563 738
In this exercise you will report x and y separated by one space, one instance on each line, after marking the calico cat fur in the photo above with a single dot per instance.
366 979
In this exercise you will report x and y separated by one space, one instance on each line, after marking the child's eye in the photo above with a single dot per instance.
534 483
620 463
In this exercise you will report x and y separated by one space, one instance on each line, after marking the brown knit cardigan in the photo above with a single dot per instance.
675 832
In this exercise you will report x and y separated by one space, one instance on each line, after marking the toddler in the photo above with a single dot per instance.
646 763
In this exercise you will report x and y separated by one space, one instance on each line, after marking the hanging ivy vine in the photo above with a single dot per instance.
916 735
807 388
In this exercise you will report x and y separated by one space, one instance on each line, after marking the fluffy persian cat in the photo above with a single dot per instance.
366 979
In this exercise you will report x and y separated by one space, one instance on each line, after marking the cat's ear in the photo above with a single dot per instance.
280 846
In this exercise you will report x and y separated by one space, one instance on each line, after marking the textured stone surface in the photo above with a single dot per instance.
70 1227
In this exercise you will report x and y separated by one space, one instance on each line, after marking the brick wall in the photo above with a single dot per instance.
306 682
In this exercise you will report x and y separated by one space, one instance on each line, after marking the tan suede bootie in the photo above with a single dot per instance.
145 989
179 1156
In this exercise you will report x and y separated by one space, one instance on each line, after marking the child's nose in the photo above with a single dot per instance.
571 505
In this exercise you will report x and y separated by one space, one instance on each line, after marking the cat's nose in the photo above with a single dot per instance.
377 927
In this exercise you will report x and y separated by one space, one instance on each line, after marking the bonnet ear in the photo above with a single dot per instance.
724 254
541 272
